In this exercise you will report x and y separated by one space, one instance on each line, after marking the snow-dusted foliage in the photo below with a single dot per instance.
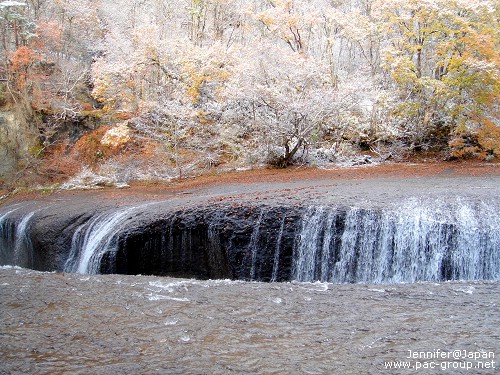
273 81
237 82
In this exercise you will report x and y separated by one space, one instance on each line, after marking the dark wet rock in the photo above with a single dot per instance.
266 235
211 242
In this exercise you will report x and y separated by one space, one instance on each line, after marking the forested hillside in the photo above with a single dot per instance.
157 89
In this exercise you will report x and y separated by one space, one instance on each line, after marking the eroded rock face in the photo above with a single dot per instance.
416 240
246 243
17 136
37 235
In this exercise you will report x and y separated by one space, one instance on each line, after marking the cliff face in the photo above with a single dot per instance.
244 243
17 137
415 240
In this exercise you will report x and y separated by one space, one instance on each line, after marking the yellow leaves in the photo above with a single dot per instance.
205 67
202 117
476 74
113 94
489 139
266 18
402 69
195 81
100 92
288 21
442 55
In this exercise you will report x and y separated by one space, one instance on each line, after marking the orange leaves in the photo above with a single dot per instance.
483 144
21 61
489 139
23 58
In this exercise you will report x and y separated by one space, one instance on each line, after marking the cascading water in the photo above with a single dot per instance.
277 250
15 235
6 236
23 242
254 244
93 239
310 241
418 240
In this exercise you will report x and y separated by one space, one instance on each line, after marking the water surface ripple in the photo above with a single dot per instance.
114 324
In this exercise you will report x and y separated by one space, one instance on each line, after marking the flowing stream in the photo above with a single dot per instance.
418 242
355 285
93 239
120 324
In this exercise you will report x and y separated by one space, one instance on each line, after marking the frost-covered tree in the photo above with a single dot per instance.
282 100
252 81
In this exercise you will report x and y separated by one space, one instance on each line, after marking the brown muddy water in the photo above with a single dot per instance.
55 323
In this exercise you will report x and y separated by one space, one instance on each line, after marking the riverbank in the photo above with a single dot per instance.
268 176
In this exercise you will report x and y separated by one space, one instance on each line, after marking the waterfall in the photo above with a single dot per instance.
309 243
418 241
215 258
7 235
277 250
254 244
93 239
23 244
15 238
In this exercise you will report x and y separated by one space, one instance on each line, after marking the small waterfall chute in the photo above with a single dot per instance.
93 239
7 234
254 245
23 246
15 237
309 243
277 251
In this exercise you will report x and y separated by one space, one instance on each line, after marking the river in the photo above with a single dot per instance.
64 323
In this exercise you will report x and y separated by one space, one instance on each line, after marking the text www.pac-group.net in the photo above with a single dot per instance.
444 360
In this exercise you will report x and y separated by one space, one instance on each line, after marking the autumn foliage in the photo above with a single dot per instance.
233 82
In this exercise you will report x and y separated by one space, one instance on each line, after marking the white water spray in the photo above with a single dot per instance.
92 240
418 241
